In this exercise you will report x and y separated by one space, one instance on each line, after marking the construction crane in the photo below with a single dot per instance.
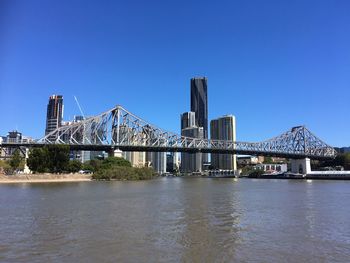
82 154
81 111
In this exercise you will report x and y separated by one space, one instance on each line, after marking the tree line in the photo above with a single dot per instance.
55 159
52 159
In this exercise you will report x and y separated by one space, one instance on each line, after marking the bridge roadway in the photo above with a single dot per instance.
133 148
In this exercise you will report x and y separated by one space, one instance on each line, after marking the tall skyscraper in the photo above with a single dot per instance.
54 114
224 128
199 102
199 105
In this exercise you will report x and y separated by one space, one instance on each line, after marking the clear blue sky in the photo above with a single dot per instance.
273 64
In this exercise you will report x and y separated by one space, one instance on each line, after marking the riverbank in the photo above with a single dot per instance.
44 178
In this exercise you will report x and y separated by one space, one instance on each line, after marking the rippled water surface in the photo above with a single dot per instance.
176 220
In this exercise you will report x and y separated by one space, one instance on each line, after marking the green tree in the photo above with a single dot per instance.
52 158
38 160
256 173
268 160
246 170
5 167
114 161
340 160
346 162
124 173
87 166
74 166
17 160
92 165
58 158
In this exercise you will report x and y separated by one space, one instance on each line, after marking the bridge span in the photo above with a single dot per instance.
118 128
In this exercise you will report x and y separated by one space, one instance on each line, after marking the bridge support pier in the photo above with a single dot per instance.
26 169
115 153
301 166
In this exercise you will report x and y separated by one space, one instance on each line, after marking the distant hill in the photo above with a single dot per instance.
343 149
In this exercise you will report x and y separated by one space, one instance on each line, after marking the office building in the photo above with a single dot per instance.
13 137
199 105
172 165
192 162
188 119
199 102
137 159
223 128
54 114
157 160
247 160
82 156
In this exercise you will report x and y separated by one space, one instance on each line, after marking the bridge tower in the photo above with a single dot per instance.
115 153
301 166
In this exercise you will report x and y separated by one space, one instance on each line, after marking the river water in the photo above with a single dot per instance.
176 220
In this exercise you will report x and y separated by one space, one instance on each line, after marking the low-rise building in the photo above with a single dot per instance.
273 167
247 160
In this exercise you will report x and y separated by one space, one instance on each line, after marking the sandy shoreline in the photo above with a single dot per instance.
44 178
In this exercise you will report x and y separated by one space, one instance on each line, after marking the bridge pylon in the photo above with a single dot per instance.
301 166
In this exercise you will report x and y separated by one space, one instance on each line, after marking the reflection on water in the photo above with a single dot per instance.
176 220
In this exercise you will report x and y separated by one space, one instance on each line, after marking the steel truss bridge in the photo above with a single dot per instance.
118 128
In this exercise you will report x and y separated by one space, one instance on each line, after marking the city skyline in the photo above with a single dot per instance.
270 76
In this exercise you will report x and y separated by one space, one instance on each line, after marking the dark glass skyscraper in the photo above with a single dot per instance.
199 102
199 105
54 113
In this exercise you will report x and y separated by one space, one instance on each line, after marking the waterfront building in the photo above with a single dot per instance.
137 159
157 160
199 105
247 160
172 164
27 139
54 114
82 156
192 162
223 128
270 168
13 137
